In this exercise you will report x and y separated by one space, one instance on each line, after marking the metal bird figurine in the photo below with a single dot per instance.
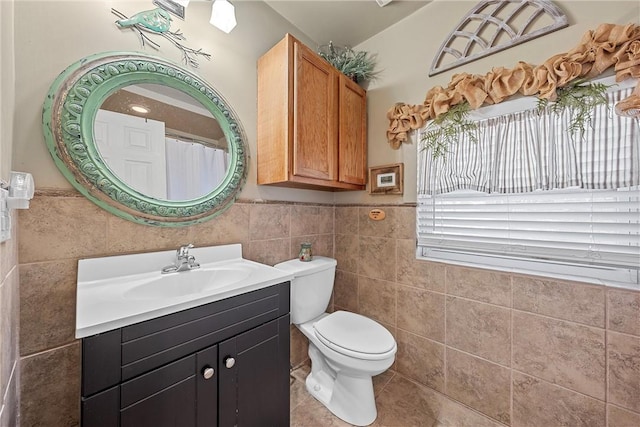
157 20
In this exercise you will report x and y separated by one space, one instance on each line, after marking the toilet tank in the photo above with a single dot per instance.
311 286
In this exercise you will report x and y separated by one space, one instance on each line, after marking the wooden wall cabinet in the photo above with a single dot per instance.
222 364
312 130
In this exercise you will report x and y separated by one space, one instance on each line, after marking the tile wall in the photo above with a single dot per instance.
474 344
9 306
520 350
62 227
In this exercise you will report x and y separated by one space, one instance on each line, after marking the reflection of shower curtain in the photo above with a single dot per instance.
193 170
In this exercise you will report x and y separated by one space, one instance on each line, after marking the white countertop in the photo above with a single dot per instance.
103 283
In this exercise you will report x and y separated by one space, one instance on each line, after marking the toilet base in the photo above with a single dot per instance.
350 398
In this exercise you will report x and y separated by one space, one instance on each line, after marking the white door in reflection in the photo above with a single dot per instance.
132 147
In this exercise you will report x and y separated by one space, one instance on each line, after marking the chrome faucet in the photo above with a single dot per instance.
183 261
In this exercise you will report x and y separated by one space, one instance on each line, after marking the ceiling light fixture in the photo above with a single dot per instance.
383 3
139 109
223 15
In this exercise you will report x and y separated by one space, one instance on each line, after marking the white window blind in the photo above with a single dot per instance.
547 202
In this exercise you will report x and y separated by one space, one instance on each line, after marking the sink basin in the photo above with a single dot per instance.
175 285
121 290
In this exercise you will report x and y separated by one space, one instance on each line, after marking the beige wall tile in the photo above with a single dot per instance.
563 353
346 220
564 300
326 220
405 222
232 226
624 370
268 252
321 245
377 299
538 403
624 311
482 385
383 228
299 348
9 330
9 416
346 252
125 237
480 329
9 250
47 305
377 258
482 285
421 312
418 273
420 359
618 417
406 404
50 387
268 221
345 291
61 227
305 220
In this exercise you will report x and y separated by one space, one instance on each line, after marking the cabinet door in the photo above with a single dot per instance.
315 116
353 133
180 394
254 377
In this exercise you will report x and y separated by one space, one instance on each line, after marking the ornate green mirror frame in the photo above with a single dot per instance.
69 112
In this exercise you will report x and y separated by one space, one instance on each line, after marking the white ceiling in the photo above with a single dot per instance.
344 22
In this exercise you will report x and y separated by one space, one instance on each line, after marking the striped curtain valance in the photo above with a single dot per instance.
535 150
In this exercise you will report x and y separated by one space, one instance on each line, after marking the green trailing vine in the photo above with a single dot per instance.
581 98
445 129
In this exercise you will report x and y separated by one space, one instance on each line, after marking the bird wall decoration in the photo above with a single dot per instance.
158 21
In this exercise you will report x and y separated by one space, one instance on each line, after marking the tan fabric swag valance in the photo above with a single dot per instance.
607 46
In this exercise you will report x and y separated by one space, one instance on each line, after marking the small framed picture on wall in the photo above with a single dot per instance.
386 179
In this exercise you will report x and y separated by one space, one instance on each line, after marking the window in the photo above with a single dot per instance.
528 196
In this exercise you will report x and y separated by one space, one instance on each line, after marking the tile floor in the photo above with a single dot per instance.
400 403
393 409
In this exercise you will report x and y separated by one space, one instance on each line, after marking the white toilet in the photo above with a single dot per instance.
346 349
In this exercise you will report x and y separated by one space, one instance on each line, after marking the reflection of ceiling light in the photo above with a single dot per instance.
223 15
139 109
184 3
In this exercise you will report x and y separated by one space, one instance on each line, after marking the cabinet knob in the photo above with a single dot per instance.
208 372
229 362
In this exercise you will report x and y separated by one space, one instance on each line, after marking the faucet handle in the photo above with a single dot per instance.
183 251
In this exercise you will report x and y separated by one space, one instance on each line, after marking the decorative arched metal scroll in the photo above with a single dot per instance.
495 25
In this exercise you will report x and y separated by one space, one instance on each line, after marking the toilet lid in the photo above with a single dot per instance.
355 335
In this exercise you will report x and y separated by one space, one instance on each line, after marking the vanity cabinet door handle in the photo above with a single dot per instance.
229 362
208 372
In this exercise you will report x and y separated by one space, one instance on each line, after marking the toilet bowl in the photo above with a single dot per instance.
346 349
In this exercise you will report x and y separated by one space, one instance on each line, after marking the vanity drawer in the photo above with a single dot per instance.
125 353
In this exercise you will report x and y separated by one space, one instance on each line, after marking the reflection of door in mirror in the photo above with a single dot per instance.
130 146
161 142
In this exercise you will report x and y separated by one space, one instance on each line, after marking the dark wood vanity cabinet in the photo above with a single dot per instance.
221 364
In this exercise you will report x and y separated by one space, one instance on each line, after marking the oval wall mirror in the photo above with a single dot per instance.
145 139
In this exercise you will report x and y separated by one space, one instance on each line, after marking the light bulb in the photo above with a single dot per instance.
223 15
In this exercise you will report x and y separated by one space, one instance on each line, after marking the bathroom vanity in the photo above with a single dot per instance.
222 360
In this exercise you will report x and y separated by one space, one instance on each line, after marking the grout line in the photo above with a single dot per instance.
511 335
606 358
560 386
